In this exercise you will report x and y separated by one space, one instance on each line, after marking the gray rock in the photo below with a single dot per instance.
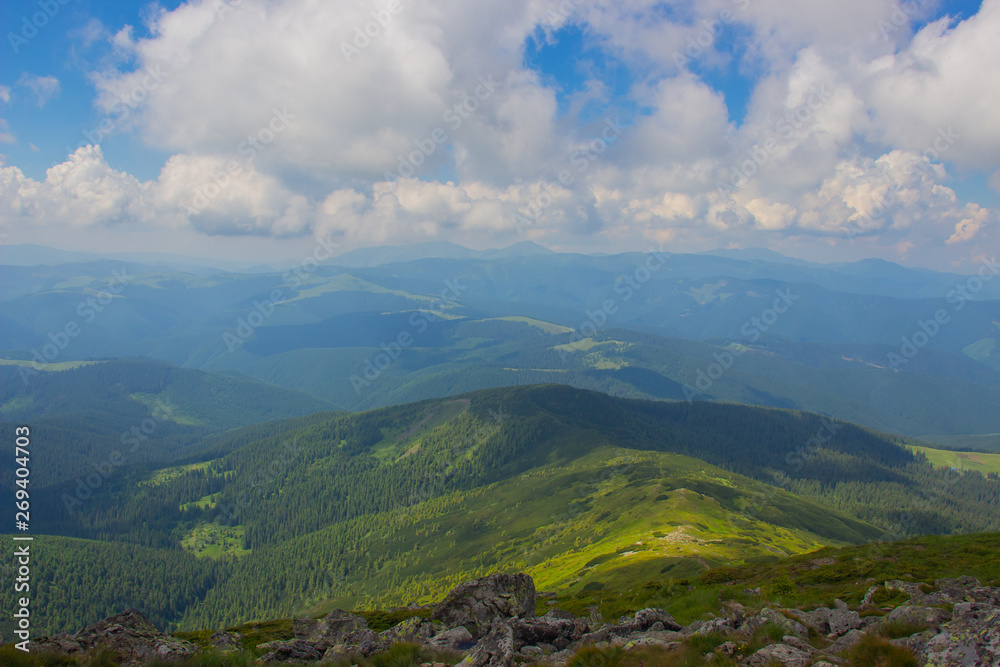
927 616
476 604
414 629
845 643
789 656
727 649
226 641
337 627
531 651
496 649
800 644
63 643
972 638
866 601
911 589
842 620
598 636
132 639
455 639
722 626
818 619
556 631
768 615
645 618
296 650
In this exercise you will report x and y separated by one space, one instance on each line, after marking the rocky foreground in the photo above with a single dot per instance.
492 621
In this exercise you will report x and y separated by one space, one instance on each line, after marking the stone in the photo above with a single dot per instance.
226 641
727 649
768 615
845 643
132 639
645 618
841 620
926 616
818 619
337 627
296 650
971 638
476 604
906 587
800 644
455 639
496 649
866 601
789 656
413 629
556 631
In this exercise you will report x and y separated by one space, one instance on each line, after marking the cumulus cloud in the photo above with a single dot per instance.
426 123
942 80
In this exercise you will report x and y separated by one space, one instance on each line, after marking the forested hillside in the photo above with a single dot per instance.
396 503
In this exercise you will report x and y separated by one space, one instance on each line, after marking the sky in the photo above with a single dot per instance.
248 129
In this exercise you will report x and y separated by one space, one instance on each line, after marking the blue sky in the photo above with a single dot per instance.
563 79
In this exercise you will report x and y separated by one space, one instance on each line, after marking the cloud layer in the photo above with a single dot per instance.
405 121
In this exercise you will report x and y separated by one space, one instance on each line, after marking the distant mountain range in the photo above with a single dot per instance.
665 326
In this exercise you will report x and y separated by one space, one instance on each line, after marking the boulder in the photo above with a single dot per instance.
927 616
476 604
226 641
645 618
496 649
768 615
296 650
413 629
845 643
556 631
800 644
337 627
133 640
818 619
65 644
783 654
455 639
842 620
971 638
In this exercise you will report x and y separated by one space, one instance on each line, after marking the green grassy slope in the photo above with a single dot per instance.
595 521
582 489
984 463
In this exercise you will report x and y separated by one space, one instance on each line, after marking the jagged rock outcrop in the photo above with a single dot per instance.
972 637
338 633
496 649
128 637
476 604
491 622
226 641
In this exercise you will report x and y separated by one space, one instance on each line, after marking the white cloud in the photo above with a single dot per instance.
44 88
5 135
946 78
847 102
